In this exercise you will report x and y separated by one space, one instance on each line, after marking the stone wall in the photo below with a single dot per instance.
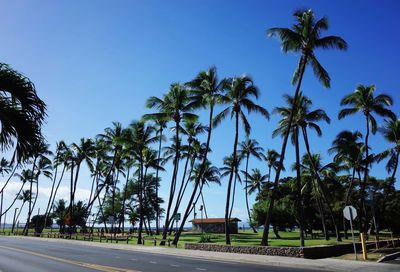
313 252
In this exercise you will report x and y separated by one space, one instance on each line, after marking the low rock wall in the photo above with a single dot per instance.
313 252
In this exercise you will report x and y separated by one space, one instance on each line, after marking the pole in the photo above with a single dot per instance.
352 232
1 206
13 225
37 221
364 246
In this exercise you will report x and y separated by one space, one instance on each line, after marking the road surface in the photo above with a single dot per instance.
18 255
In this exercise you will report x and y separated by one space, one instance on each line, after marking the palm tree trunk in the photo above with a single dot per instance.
20 209
233 195
15 199
298 186
346 202
71 204
180 192
51 196
26 228
321 212
173 183
365 180
157 208
264 241
204 203
123 202
228 192
189 207
58 185
247 194
324 194
140 189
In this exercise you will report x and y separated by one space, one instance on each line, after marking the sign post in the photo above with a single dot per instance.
350 213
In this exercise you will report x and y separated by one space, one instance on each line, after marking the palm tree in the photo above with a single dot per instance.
161 125
249 147
41 152
191 130
239 92
175 106
348 150
391 132
25 196
84 151
205 92
25 176
23 113
142 137
271 157
256 181
312 168
304 38
363 100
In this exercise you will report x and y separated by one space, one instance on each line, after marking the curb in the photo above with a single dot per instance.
389 257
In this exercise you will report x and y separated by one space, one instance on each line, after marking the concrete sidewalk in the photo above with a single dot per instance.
320 264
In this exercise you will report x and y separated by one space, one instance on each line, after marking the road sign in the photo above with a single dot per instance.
177 217
350 213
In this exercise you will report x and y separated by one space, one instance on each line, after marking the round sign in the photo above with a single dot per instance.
349 212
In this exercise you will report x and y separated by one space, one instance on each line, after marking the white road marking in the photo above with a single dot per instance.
152 262
133 259
174 265
117 257
201 269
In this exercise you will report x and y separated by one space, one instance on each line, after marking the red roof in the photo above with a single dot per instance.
213 220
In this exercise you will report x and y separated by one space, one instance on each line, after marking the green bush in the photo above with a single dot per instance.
205 238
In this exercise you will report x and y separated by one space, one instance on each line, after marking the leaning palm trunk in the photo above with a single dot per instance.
173 184
264 241
180 192
204 203
140 190
321 212
228 192
26 228
56 190
247 194
14 200
233 195
189 207
48 207
324 195
298 186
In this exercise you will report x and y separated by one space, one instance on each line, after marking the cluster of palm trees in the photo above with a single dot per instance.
125 162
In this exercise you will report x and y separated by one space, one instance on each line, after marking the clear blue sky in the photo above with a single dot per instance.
94 62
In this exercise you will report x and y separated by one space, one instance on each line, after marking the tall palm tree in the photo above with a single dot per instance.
348 150
391 132
191 130
25 176
83 152
304 38
160 125
22 113
41 152
363 100
239 94
175 106
247 148
25 196
205 91
143 136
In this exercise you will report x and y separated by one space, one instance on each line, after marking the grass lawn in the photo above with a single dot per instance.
288 239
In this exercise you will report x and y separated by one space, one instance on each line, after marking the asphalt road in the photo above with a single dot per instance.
20 255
